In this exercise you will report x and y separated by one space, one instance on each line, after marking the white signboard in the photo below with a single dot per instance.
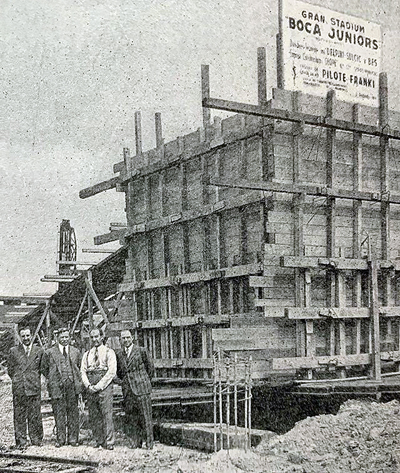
323 49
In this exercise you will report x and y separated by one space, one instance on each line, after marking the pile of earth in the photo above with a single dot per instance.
364 437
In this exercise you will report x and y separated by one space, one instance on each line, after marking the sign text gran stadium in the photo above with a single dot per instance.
324 50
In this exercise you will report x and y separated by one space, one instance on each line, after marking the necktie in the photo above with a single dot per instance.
96 360
65 352
127 352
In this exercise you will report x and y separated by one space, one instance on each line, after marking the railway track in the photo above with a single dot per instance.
21 463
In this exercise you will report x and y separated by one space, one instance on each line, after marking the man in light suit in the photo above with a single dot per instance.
24 370
135 368
98 369
61 366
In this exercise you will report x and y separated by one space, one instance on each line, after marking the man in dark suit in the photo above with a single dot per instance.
24 370
135 368
61 366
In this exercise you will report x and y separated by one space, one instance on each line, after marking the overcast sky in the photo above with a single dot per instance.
73 72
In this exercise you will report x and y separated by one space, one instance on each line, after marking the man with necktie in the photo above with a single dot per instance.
24 370
61 366
99 367
135 369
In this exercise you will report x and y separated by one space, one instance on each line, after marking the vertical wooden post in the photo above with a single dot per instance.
357 222
262 76
385 190
158 128
332 279
310 337
90 302
205 94
374 310
138 133
298 233
280 80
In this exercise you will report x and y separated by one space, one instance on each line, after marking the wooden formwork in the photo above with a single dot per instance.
273 231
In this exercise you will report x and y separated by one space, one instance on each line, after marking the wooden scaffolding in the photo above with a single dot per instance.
273 231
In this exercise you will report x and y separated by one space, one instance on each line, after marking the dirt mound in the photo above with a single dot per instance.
362 437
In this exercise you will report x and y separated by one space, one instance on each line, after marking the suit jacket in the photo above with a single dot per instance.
51 368
135 372
24 370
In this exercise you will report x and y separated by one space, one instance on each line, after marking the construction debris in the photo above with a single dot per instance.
362 437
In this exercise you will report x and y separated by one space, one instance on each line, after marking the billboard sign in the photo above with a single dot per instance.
323 49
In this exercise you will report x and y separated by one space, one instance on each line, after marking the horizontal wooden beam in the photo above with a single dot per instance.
249 339
100 187
310 190
190 278
335 263
300 118
75 263
197 150
171 322
60 276
16 300
97 250
109 237
297 363
188 215
296 313
56 279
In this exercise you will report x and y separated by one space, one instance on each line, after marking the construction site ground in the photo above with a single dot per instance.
364 436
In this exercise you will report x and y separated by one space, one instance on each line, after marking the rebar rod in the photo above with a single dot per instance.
228 403
215 401
249 380
235 394
220 399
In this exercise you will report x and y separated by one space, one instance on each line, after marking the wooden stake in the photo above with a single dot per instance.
374 308
262 76
78 315
138 133
205 94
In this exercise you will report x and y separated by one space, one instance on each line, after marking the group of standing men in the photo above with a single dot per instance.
68 376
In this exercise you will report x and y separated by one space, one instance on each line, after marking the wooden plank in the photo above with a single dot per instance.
108 237
374 312
205 95
310 190
191 278
385 188
324 313
93 295
297 363
193 214
317 262
297 117
357 223
100 187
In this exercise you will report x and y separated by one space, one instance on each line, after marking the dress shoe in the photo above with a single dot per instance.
74 444
110 447
59 444
20 446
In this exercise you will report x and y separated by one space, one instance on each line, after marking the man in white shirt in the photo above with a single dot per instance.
61 366
99 367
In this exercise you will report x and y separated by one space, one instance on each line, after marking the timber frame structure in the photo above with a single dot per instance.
274 231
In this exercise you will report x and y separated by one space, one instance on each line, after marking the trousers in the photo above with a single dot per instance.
100 407
138 419
27 418
66 414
